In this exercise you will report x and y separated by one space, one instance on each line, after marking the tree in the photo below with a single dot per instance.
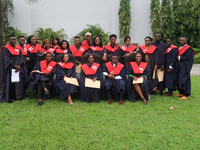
124 18
1 26
166 19
155 16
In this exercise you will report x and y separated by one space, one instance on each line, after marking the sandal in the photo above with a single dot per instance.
144 101
70 101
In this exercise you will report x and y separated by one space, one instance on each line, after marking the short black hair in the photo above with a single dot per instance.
11 35
169 38
57 38
90 55
183 37
158 33
76 37
21 37
127 37
100 44
113 35
63 42
29 39
114 55
50 53
149 38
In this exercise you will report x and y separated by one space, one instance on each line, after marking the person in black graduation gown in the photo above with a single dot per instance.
78 51
161 61
65 69
112 48
92 71
42 79
32 48
97 47
185 62
127 49
114 72
64 48
12 58
88 42
45 48
138 69
150 53
171 66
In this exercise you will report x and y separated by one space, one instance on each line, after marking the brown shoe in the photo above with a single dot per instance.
168 94
180 95
110 101
121 102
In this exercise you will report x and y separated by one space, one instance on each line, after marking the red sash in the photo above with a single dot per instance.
128 49
112 70
68 65
45 68
182 50
60 51
52 46
90 71
50 50
13 51
97 48
109 48
31 49
138 69
148 51
24 51
170 48
78 53
85 44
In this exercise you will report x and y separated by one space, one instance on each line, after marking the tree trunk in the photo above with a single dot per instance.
1 26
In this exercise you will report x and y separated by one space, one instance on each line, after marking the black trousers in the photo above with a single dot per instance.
41 86
183 92
110 94
14 91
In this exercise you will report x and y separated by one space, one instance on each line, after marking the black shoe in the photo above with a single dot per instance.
161 92
10 101
47 93
40 103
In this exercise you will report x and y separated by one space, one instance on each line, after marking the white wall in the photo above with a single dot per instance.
74 15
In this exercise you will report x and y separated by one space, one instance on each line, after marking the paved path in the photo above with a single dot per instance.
195 70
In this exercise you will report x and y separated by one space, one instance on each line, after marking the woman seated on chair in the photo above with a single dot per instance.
65 69
97 47
138 70
41 77
46 48
64 48
92 71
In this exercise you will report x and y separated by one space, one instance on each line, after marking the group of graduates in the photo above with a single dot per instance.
42 68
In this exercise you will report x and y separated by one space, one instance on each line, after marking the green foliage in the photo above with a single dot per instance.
99 126
196 58
48 33
11 30
94 30
124 18
155 16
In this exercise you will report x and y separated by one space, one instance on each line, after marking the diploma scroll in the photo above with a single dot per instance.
91 84
139 80
71 81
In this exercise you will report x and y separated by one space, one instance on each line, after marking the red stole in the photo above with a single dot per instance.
50 50
68 65
138 69
77 53
24 51
109 48
182 50
170 48
112 70
29 48
60 51
85 44
13 51
148 51
97 48
52 46
45 68
128 49
90 71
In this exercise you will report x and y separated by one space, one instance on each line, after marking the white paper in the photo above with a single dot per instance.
14 76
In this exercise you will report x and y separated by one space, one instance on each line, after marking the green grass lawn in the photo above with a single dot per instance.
56 125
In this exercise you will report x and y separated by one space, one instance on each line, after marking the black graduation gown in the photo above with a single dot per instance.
118 51
184 68
33 79
161 53
145 86
60 84
124 53
7 89
100 53
115 85
56 54
171 78
88 94
153 58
